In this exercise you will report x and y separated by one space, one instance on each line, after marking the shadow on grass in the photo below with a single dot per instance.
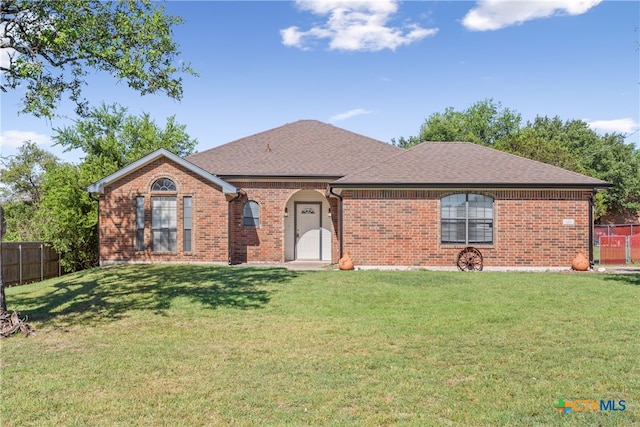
628 278
106 294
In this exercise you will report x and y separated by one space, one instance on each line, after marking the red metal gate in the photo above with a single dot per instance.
613 249
634 247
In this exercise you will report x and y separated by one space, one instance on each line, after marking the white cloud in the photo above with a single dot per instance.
497 14
5 56
6 52
624 126
349 114
15 138
354 26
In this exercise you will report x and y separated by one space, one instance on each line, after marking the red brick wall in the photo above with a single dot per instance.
266 243
381 227
118 217
402 228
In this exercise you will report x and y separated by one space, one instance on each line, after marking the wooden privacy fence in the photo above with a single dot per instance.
26 262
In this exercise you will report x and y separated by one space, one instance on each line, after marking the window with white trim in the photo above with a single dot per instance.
466 219
163 184
164 217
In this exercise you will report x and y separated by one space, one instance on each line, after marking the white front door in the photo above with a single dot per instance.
308 231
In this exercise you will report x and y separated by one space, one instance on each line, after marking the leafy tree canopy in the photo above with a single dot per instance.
22 174
485 122
50 44
539 142
21 181
68 217
111 138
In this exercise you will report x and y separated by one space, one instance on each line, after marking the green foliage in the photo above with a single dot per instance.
485 123
112 139
405 143
22 178
69 217
533 146
22 173
605 157
611 160
21 223
51 44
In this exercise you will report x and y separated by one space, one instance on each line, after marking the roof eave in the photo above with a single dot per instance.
474 185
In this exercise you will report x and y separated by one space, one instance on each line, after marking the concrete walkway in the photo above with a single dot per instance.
617 269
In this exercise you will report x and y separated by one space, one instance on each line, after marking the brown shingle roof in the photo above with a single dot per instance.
306 148
464 164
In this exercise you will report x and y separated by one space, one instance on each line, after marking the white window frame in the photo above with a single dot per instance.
474 216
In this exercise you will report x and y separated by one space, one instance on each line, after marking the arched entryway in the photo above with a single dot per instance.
308 227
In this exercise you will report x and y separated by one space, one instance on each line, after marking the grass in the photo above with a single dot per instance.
211 345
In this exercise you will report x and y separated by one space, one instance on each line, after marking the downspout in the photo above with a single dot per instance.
229 229
591 206
340 222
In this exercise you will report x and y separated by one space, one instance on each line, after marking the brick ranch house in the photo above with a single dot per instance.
311 191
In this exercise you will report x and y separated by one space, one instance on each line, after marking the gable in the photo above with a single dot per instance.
306 148
99 186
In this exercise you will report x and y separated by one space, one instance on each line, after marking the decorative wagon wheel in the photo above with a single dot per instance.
470 259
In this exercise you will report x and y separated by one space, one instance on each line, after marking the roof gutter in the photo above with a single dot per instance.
491 186
340 220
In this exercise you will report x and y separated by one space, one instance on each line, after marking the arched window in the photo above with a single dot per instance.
164 217
467 219
251 214
163 184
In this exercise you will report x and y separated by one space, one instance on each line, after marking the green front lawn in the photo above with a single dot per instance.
210 345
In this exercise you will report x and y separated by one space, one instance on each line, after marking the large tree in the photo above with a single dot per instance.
606 157
22 178
111 138
22 174
485 122
534 142
49 46
68 216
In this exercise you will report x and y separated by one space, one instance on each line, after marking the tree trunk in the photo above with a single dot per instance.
3 298
9 323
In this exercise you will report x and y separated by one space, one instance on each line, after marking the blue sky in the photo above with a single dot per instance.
380 68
